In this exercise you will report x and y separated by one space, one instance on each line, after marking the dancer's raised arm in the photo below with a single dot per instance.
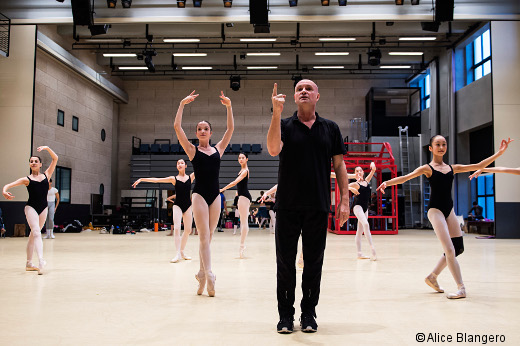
8 195
54 157
515 171
484 163
372 171
221 146
181 136
274 135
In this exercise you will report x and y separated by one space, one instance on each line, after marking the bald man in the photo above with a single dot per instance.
306 144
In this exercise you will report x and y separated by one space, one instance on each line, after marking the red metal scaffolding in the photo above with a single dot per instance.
384 159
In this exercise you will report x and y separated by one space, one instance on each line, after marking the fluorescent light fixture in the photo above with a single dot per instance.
133 68
257 39
263 54
430 38
103 40
181 40
328 67
337 39
405 53
262 67
190 54
331 53
197 67
119 55
395 66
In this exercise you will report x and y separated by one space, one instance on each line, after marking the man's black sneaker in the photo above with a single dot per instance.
308 323
285 325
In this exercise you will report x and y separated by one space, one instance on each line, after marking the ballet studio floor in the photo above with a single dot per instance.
102 289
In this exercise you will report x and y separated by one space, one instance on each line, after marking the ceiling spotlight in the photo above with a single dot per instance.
111 3
399 2
148 59
181 3
228 3
374 57
430 26
230 25
342 2
234 83
415 2
126 3
293 3
60 0
324 2
100 29
197 3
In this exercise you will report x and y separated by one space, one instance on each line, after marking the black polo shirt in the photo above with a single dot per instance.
305 163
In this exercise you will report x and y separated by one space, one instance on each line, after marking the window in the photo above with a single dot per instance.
61 117
478 57
485 187
63 183
423 82
75 123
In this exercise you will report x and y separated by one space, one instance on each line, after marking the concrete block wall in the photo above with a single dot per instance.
57 87
150 113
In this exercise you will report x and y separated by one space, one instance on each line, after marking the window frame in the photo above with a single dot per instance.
62 113
470 51
75 119
420 82
485 195
59 182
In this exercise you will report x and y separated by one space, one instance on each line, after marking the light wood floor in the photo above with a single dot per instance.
121 289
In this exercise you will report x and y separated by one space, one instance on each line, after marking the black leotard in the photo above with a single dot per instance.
440 191
363 198
182 194
206 169
242 188
38 194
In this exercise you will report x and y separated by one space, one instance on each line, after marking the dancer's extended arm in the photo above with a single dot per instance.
170 179
424 169
18 182
515 171
484 163
240 177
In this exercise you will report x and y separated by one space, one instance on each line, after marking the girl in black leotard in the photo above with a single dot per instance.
360 209
244 199
36 208
440 209
205 199
181 207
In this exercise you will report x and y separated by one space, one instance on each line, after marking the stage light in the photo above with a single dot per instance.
342 2
148 59
324 2
293 3
374 57
415 2
430 26
181 3
399 2
98 29
228 3
126 3
197 3
111 3
234 83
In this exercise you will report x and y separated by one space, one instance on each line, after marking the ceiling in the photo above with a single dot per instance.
297 31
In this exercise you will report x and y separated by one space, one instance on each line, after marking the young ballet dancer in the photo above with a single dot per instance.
181 207
53 200
205 198
244 199
36 208
440 208
360 209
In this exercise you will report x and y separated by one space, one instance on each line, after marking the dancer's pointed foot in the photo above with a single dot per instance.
176 259
461 293
373 256
184 257
201 278
41 266
169 234
30 267
211 278
360 256
242 250
431 280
